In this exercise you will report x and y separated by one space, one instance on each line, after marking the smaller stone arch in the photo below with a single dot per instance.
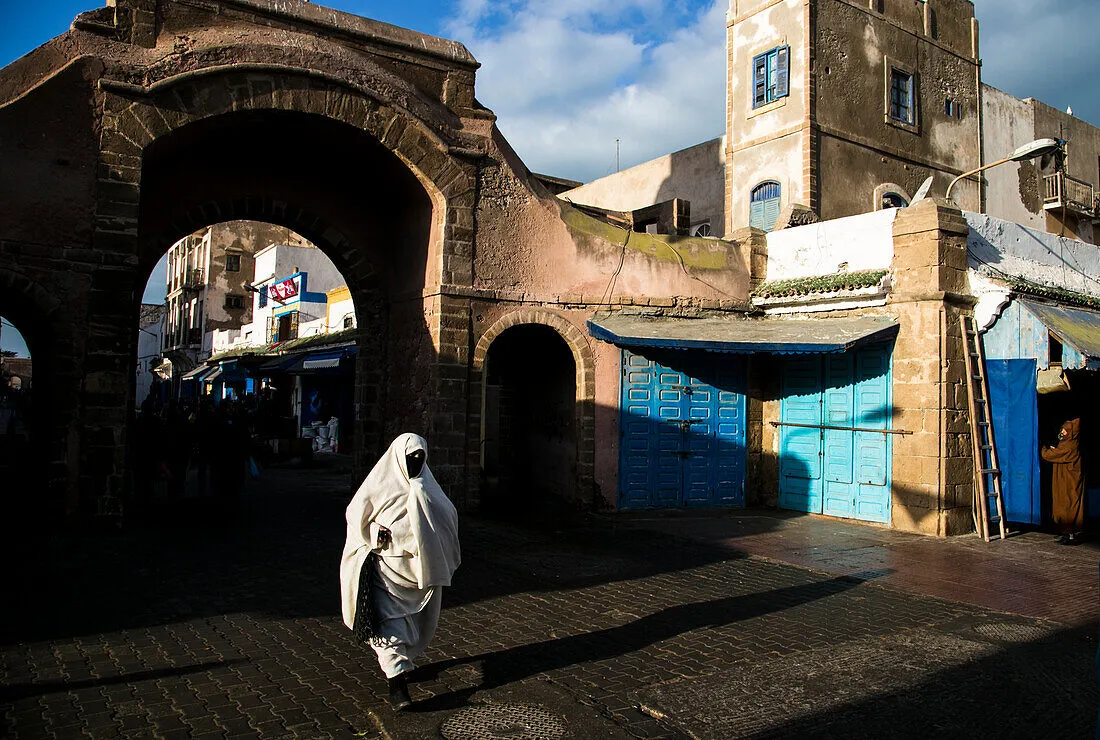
41 315
585 364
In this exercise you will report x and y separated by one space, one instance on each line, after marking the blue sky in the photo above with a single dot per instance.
567 78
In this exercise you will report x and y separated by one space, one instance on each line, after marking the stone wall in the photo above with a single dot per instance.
932 469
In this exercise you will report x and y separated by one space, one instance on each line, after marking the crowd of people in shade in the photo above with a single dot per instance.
219 440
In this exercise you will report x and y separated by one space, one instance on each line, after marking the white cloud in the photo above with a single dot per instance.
1043 50
566 79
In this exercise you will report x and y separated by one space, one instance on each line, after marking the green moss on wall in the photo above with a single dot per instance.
694 252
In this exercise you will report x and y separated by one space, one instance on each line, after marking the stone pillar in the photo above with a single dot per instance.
449 413
753 244
932 467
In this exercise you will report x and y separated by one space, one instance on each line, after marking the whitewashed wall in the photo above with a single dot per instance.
863 242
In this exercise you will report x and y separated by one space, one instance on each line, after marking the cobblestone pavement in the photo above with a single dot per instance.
223 621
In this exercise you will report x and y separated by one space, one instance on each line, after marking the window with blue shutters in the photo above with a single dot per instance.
902 100
771 76
764 205
261 295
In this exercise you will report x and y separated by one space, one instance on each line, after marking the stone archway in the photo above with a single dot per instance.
143 126
584 384
36 489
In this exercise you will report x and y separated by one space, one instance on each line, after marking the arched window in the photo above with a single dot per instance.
893 200
764 205
702 229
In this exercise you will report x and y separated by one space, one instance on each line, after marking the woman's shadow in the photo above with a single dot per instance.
507 666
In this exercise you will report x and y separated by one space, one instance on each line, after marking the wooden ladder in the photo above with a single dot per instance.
987 473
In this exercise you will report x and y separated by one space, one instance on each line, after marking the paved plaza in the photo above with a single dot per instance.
221 619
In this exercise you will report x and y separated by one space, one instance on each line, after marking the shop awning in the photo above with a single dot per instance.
320 361
741 335
277 364
199 373
1077 327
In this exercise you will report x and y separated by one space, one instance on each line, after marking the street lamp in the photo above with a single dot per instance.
1031 150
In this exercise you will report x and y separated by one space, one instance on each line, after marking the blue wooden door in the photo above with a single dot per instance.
831 461
872 449
800 455
682 432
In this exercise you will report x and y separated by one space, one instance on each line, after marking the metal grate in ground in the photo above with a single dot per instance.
503 722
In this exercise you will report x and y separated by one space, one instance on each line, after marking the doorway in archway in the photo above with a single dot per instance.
530 422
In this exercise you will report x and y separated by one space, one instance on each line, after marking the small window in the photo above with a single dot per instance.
771 76
702 229
234 301
1054 356
232 263
893 200
952 109
261 296
764 205
902 101
349 322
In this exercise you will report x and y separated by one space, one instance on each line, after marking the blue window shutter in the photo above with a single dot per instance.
756 214
759 80
764 205
771 213
782 72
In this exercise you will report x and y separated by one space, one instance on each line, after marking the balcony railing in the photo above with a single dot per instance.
193 279
1062 191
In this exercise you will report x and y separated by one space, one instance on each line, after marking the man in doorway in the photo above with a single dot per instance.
1067 483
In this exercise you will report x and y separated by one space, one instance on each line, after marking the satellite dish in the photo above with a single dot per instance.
922 191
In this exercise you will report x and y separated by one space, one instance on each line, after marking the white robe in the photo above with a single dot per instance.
422 555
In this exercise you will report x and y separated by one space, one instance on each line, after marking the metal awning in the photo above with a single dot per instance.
1077 327
741 335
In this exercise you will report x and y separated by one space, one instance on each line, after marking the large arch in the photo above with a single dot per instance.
584 362
356 135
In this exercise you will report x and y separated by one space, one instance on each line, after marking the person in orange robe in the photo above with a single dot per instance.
1067 483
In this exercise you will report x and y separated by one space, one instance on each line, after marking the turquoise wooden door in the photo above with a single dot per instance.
682 431
831 458
800 455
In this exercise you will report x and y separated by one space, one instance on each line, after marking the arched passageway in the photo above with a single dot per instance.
376 229
530 421
31 418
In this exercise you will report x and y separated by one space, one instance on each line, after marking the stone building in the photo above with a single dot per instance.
848 105
150 349
549 353
204 291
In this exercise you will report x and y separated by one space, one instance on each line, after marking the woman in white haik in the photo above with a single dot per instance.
402 514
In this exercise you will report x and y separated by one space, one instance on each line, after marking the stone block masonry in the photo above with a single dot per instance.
932 468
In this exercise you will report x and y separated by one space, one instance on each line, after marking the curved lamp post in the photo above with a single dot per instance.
1031 150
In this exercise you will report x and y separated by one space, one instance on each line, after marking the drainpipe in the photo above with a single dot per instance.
978 89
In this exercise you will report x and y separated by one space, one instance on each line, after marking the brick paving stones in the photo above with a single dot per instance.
221 620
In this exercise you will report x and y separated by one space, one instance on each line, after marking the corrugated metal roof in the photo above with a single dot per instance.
1077 327
740 335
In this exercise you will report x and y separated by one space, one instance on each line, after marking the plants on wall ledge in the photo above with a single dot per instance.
818 284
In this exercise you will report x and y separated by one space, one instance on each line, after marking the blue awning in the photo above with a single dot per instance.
321 361
741 335
1077 327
